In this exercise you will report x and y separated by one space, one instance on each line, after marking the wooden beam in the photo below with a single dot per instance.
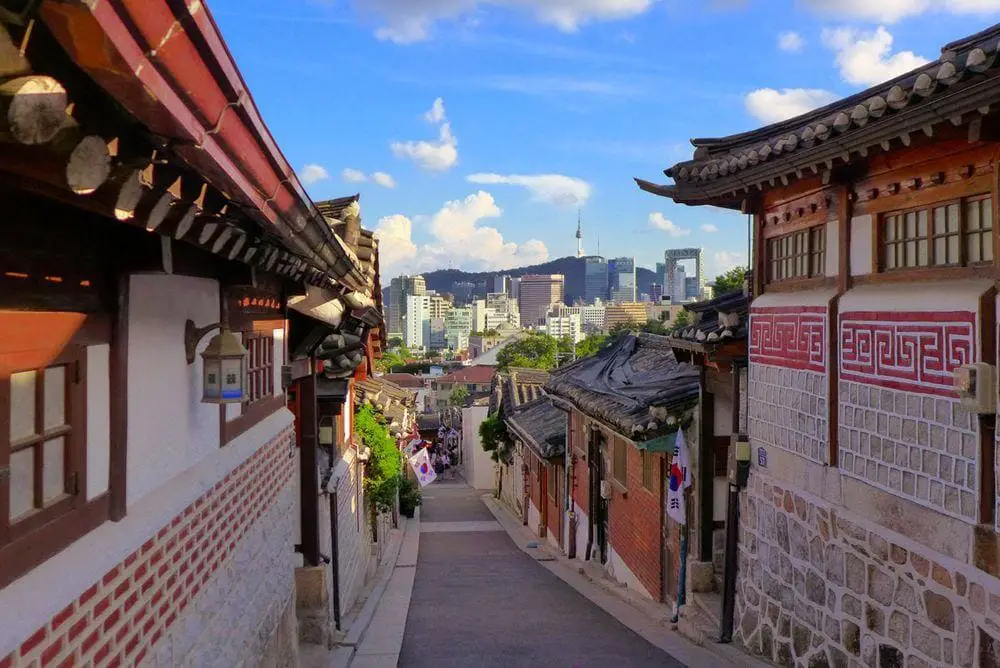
309 471
117 489
32 109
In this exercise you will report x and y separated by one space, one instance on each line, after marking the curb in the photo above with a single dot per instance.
400 553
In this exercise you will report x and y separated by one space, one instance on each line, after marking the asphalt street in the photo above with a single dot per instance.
479 601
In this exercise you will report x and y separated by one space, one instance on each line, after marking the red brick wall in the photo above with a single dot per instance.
635 520
122 616
581 480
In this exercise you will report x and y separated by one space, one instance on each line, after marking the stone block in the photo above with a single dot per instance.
310 587
874 619
851 634
890 657
801 639
880 585
899 628
965 639
701 576
926 640
906 596
851 606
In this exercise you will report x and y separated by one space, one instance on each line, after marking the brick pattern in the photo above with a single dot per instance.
788 409
354 534
820 587
921 448
134 611
634 524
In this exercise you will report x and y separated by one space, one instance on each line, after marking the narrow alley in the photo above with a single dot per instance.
476 594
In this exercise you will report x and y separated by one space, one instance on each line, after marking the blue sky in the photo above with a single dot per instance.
475 129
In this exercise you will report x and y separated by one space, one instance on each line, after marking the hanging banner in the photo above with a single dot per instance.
421 465
413 447
680 479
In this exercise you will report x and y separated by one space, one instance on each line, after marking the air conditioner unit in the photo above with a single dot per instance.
976 387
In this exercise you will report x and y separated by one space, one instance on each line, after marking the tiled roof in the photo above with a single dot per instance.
471 374
718 320
407 380
959 86
631 385
523 385
541 426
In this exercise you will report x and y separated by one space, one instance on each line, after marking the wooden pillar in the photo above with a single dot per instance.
309 470
706 470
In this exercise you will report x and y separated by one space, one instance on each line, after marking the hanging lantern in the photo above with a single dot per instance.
326 427
225 362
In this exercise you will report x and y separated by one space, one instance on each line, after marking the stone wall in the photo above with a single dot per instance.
819 586
221 569
922 448
788 409
353 526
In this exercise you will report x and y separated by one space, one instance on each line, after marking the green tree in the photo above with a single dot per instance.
682 320
731 281
535 351
591 345
656 327
384 469
495 439
458 396
395 342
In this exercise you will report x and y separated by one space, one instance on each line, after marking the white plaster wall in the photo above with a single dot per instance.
720 498
832 248
477 462
98 419
534 517
861 245
169 429
581 531
620 572
279 357
807 298
723 416
45 590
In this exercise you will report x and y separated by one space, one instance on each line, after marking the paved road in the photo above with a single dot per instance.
479 601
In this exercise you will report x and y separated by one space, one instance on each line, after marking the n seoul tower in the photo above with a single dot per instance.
579 234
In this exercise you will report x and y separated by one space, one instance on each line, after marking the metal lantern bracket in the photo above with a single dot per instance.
193 336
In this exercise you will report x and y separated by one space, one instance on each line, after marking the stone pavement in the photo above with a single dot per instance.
478 600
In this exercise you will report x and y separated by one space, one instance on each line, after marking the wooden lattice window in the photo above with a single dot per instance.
648 467
947 234
260 367
619 464
42 443
801 254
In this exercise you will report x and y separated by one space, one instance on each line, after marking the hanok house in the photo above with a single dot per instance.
510 390
625 406
868 529
335 338
716 344
539 430
146 208
477 379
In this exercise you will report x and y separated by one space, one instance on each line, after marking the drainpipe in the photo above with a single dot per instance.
570 484
335 547
732 525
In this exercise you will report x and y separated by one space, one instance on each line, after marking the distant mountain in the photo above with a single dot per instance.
570 267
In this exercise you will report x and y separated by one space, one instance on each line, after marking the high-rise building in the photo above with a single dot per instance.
505 308
625 312
399 289
595 279
661 273
564 326
463 291
438 339
539 292
591 315
418 322
677 289
500 284
656 293
514 289
439 306
621 276
457 327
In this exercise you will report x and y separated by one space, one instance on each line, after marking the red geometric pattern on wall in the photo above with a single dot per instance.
915 351
789 336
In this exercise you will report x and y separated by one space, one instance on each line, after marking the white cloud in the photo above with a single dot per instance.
396 245
770 106
891 11
384 180
409 21
457 237
312 173
659 222
709 227
723 261
548 188
434 156
790 41
863 58
353 175
436 113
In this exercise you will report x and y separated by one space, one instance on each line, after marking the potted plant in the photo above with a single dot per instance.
409 497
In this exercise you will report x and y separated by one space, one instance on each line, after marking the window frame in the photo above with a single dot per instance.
253 412
648 466
930 237
619 451
783 255
45 534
